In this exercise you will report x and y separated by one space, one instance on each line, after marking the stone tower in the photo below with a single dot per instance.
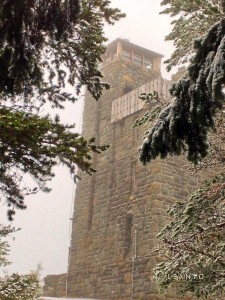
119 210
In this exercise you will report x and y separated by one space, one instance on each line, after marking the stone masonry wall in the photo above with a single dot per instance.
55 285
119 210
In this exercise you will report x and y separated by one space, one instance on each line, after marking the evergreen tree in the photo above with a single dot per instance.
45 45
190 19
64 38
193 244
20 287
5 231
15 286
182 126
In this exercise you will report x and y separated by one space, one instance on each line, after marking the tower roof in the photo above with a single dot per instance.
127 45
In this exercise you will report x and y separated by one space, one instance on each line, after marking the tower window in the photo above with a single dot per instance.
126 55
137 59
147 63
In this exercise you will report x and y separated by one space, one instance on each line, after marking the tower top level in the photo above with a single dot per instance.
125 50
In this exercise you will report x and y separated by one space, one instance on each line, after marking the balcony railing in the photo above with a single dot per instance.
130 103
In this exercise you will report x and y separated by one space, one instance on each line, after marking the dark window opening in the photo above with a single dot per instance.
137 59
128 233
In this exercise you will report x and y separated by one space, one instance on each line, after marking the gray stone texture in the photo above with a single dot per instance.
122 198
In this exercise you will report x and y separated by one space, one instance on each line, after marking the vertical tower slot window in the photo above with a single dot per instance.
133 175
128 233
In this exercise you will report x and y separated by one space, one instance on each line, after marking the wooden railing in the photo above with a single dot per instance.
130 103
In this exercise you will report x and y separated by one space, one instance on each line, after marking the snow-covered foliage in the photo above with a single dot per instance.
5 231
193 244
15 286
183 125
20 287
191 19
156 105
